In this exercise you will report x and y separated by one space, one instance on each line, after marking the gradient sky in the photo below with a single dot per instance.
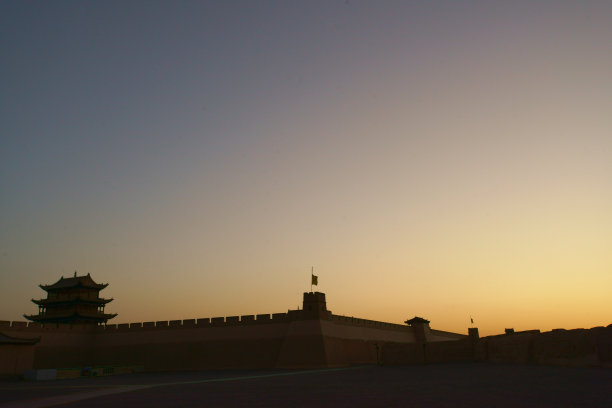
439 159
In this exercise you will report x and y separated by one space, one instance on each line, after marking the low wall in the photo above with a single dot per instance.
573 348
190 348
579 347
282 340
402 354
59 346
15 359
421 353
287 340
219 342
274 342
350 341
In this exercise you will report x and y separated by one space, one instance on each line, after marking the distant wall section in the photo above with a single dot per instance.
579 347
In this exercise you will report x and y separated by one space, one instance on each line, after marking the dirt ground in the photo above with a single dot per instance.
439 385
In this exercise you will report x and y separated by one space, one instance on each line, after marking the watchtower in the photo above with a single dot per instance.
73 300
314 306
420 327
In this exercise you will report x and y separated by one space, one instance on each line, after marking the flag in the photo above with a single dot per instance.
472 320
315 280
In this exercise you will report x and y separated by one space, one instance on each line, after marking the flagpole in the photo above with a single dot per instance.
311 275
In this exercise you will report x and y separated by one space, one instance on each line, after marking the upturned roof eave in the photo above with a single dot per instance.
55 286
416 319
97 317
42 302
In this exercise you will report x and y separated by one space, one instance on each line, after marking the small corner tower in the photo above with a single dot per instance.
73 300
421 328
314 306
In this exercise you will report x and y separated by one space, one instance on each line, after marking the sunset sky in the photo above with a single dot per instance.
444 159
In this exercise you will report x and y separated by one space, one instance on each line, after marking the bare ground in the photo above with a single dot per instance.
436 385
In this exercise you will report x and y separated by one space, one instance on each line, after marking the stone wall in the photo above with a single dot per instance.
421 353
284 340
15 359
59 346
579 347
573 348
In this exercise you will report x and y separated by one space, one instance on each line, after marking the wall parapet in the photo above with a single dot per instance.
247 319
19 325
201 322
574 347
217 321
355 321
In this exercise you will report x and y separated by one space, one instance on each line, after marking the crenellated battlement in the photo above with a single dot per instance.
37 327
310 336
307 337
314 306
206 322
202 322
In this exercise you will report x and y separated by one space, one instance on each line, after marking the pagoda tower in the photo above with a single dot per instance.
73 300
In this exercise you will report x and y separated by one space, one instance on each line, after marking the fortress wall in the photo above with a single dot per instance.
568 348
214 343
355 321
61 346
420 353
192 355
402 353
295 339
262 341
603 344
346 330
340 341
15 359
283 340
169 334
200 322
225 342
311 337
515 348
357 341
452 351
343 352
439 335
579 347
574 348
302 346
279 343
406 336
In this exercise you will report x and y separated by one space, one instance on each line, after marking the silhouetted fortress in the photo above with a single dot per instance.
73 300
306 338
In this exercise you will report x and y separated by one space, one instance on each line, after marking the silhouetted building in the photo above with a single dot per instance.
309 337
314 306
73 300
421 328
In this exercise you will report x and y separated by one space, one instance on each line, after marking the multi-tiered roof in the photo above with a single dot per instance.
73 300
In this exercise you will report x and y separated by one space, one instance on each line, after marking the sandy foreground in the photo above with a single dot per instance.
436 385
